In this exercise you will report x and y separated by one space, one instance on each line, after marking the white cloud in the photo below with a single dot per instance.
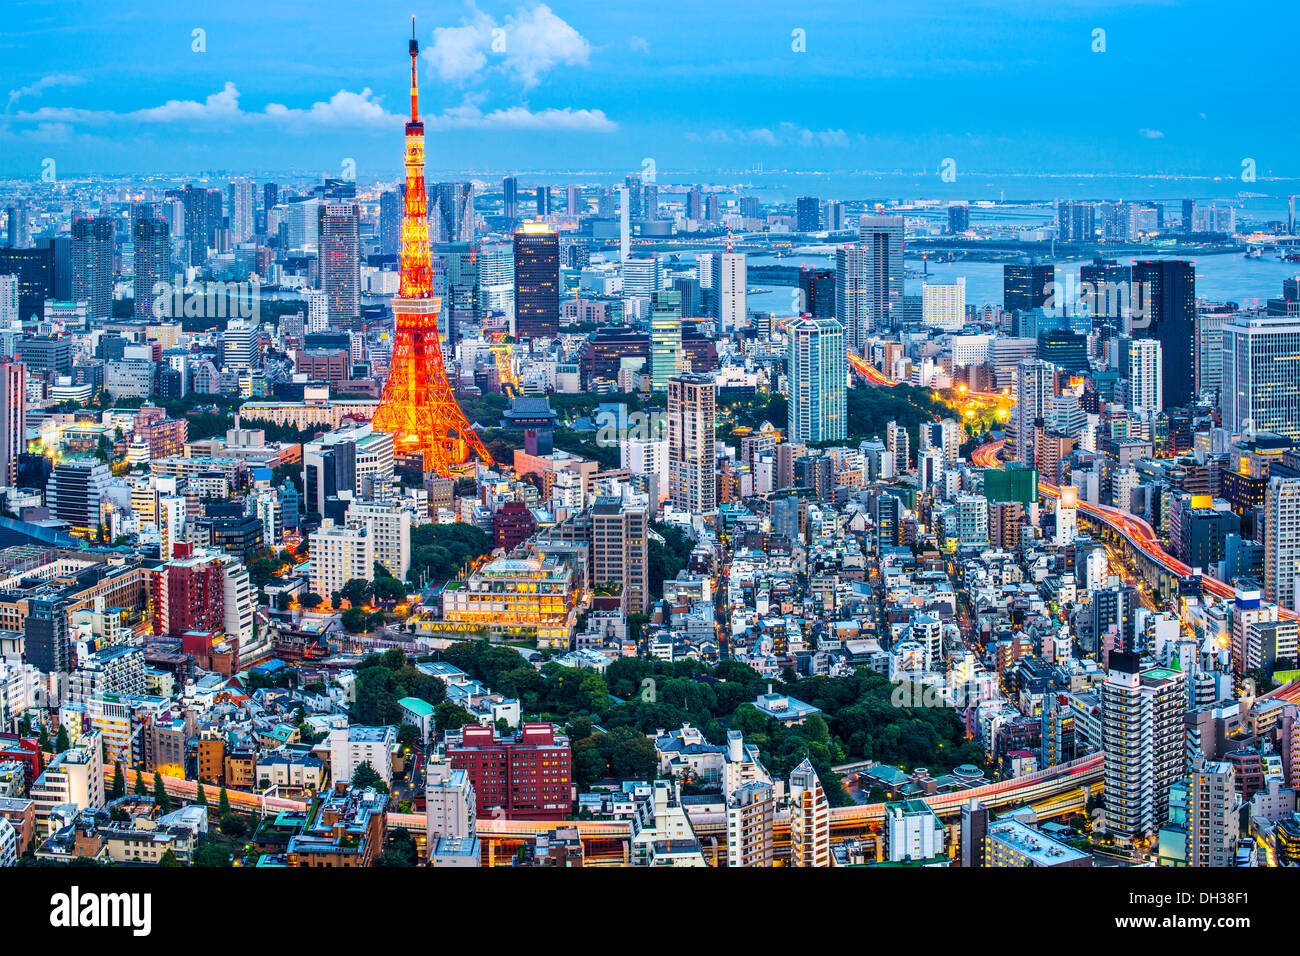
343 110
530 43
786 134
468 116
44 83
1151 133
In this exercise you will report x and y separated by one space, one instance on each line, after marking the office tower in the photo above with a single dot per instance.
92 265
390 222
749 825
496 277
943 306
732 299
650 201
1168 313
75 490
695 204
624 224
241 210
339 555
1075 221
203 215
60 248
573 203
340 262
958 217
817 372
47 644
1140 364
882 240
807 215
270 196
241 347
1282 541
302 227
691 461
318 310
152 265
543 201
1034 388
13 419
510 198
8 306
1260 378
537 282
1027 286
665 338
1142 742
19 235
852 309
1106 291
457 264
620 550
810 818
34 269
452 216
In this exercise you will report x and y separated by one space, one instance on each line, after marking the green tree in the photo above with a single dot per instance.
168 859
119 780
61 742
161 800
223 802
140 790
202 798
211 853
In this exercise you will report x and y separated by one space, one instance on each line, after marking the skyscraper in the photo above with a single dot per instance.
241 210
92 265
510 198
1260 378
1142 740
452 215
732 299
1034 387
1168 313
943 305
390 222
1026 286
340 262
152 264
1140 363
851 305
537 281
692 401
882 239
543 201
1106 289
808 214
1282 541
817 371
665 338
13 419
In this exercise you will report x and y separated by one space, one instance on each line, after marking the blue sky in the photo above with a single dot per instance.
1012 86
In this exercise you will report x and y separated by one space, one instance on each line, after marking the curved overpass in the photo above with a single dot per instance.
1143 541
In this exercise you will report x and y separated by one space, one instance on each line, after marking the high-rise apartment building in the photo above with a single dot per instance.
620 551
1142 739
810 818
92 265
817 372
1034 387
240 195
732 299
451 213
13 419
526 776
882 240
152 264
750 811
692 411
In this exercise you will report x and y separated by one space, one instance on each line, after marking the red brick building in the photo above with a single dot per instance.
528 775
188 595
512 525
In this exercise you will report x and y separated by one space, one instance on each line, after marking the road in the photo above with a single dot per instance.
1143 538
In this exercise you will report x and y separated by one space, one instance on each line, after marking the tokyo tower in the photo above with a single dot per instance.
418 407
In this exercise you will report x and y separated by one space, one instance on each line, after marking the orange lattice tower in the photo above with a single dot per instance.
418 407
